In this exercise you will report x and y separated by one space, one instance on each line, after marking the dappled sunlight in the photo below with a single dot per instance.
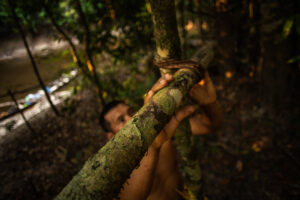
258 145
202 82
228 75
204 25
189 26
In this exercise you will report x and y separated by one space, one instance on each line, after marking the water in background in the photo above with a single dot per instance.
52 58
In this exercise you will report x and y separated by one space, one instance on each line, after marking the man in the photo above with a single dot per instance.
158 177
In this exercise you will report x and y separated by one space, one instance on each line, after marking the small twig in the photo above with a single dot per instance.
290 155
21 112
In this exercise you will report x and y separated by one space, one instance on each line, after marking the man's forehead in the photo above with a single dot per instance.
117 110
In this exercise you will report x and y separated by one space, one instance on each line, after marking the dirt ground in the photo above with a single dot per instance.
38 167
255 155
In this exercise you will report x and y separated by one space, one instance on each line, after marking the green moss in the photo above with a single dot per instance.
165 28
104 174
168 104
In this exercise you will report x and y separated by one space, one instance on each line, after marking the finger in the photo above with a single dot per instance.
161 83
148 96
169 77
177 118
160 139
184 112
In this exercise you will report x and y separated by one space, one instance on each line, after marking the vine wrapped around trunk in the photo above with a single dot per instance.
168 48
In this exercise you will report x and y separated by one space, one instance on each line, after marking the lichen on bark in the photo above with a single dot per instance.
186 145
165 29
168 47
103 175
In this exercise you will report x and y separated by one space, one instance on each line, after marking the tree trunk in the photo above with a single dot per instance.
103 175
165 29
186 145
34 66
225 35
180 13
168 47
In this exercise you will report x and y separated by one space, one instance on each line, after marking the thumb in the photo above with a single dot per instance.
184 112
177 118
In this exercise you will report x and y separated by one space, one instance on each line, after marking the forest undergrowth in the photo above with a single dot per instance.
253 156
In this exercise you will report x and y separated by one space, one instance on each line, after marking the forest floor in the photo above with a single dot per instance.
255 155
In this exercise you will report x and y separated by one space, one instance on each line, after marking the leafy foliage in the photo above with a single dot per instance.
290 23
122 29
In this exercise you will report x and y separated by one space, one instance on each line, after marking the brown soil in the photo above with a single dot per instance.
38 167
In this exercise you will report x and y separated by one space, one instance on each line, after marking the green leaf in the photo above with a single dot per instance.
99 5
294 59
288 27
3 14
42 14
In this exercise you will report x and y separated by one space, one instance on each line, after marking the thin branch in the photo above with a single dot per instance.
68 39
88 49
21 112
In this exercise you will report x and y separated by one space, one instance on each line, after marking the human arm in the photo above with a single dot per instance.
204 94
138 186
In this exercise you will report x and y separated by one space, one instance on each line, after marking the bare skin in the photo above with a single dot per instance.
157 176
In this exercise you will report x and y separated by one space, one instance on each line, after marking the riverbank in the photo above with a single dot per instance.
16 73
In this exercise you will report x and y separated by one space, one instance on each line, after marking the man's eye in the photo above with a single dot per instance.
121 119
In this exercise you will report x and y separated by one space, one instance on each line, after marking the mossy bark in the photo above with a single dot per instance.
168 47
165 29
104 174
187 146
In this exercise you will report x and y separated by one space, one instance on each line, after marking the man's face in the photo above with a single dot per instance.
117 117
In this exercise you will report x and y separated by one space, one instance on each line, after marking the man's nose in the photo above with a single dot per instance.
127 118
